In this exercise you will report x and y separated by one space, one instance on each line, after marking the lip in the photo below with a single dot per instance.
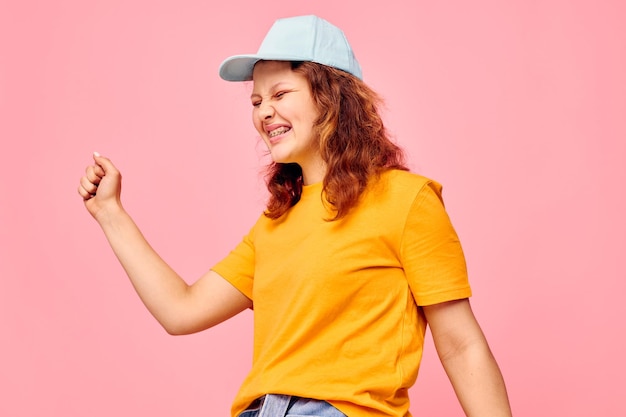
277 138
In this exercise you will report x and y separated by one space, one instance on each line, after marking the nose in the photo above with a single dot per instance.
266 111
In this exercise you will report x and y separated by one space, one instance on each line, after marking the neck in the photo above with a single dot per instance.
313 173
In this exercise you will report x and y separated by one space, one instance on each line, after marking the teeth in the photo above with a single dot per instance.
278 131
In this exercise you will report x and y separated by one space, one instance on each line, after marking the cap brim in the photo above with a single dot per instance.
239 67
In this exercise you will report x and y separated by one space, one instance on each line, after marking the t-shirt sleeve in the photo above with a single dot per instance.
431 252
238 266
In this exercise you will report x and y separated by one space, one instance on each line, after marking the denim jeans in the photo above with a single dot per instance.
273 405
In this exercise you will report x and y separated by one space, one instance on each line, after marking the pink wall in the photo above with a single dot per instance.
517 107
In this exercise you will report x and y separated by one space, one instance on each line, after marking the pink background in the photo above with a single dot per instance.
517 107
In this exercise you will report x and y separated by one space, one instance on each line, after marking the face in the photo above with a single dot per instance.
284 113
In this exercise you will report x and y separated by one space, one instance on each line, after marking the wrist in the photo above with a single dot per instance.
110 214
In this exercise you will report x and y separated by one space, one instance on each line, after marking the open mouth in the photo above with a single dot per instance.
278 131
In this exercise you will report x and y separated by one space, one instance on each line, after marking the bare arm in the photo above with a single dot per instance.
467 359
180 308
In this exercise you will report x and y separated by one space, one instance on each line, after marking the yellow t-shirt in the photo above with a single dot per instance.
336 313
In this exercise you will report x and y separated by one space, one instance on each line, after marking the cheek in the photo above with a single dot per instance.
313 113
312 120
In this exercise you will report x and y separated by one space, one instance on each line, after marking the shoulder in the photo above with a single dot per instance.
406 183
396 191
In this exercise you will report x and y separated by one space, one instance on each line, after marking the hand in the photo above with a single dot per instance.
101 186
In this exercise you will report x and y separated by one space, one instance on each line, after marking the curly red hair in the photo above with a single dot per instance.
353 143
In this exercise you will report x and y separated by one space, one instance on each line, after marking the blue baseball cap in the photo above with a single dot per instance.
300 38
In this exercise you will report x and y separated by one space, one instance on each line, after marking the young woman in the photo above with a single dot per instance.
352 258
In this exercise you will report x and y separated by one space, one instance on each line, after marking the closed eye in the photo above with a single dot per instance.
277 96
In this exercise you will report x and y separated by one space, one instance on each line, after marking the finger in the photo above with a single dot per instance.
104 163
88 186
94 174
86 195
98 171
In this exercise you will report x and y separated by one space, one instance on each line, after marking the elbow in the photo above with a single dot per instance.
454 347
477 350
174 327
174 331
177 329
182 327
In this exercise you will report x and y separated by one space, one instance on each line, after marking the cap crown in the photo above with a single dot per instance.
300 38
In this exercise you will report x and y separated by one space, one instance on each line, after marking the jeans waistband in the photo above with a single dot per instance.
276 405
272 405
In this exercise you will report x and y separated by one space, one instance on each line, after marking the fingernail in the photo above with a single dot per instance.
96 153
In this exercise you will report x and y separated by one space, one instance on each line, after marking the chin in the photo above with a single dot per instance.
280 158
